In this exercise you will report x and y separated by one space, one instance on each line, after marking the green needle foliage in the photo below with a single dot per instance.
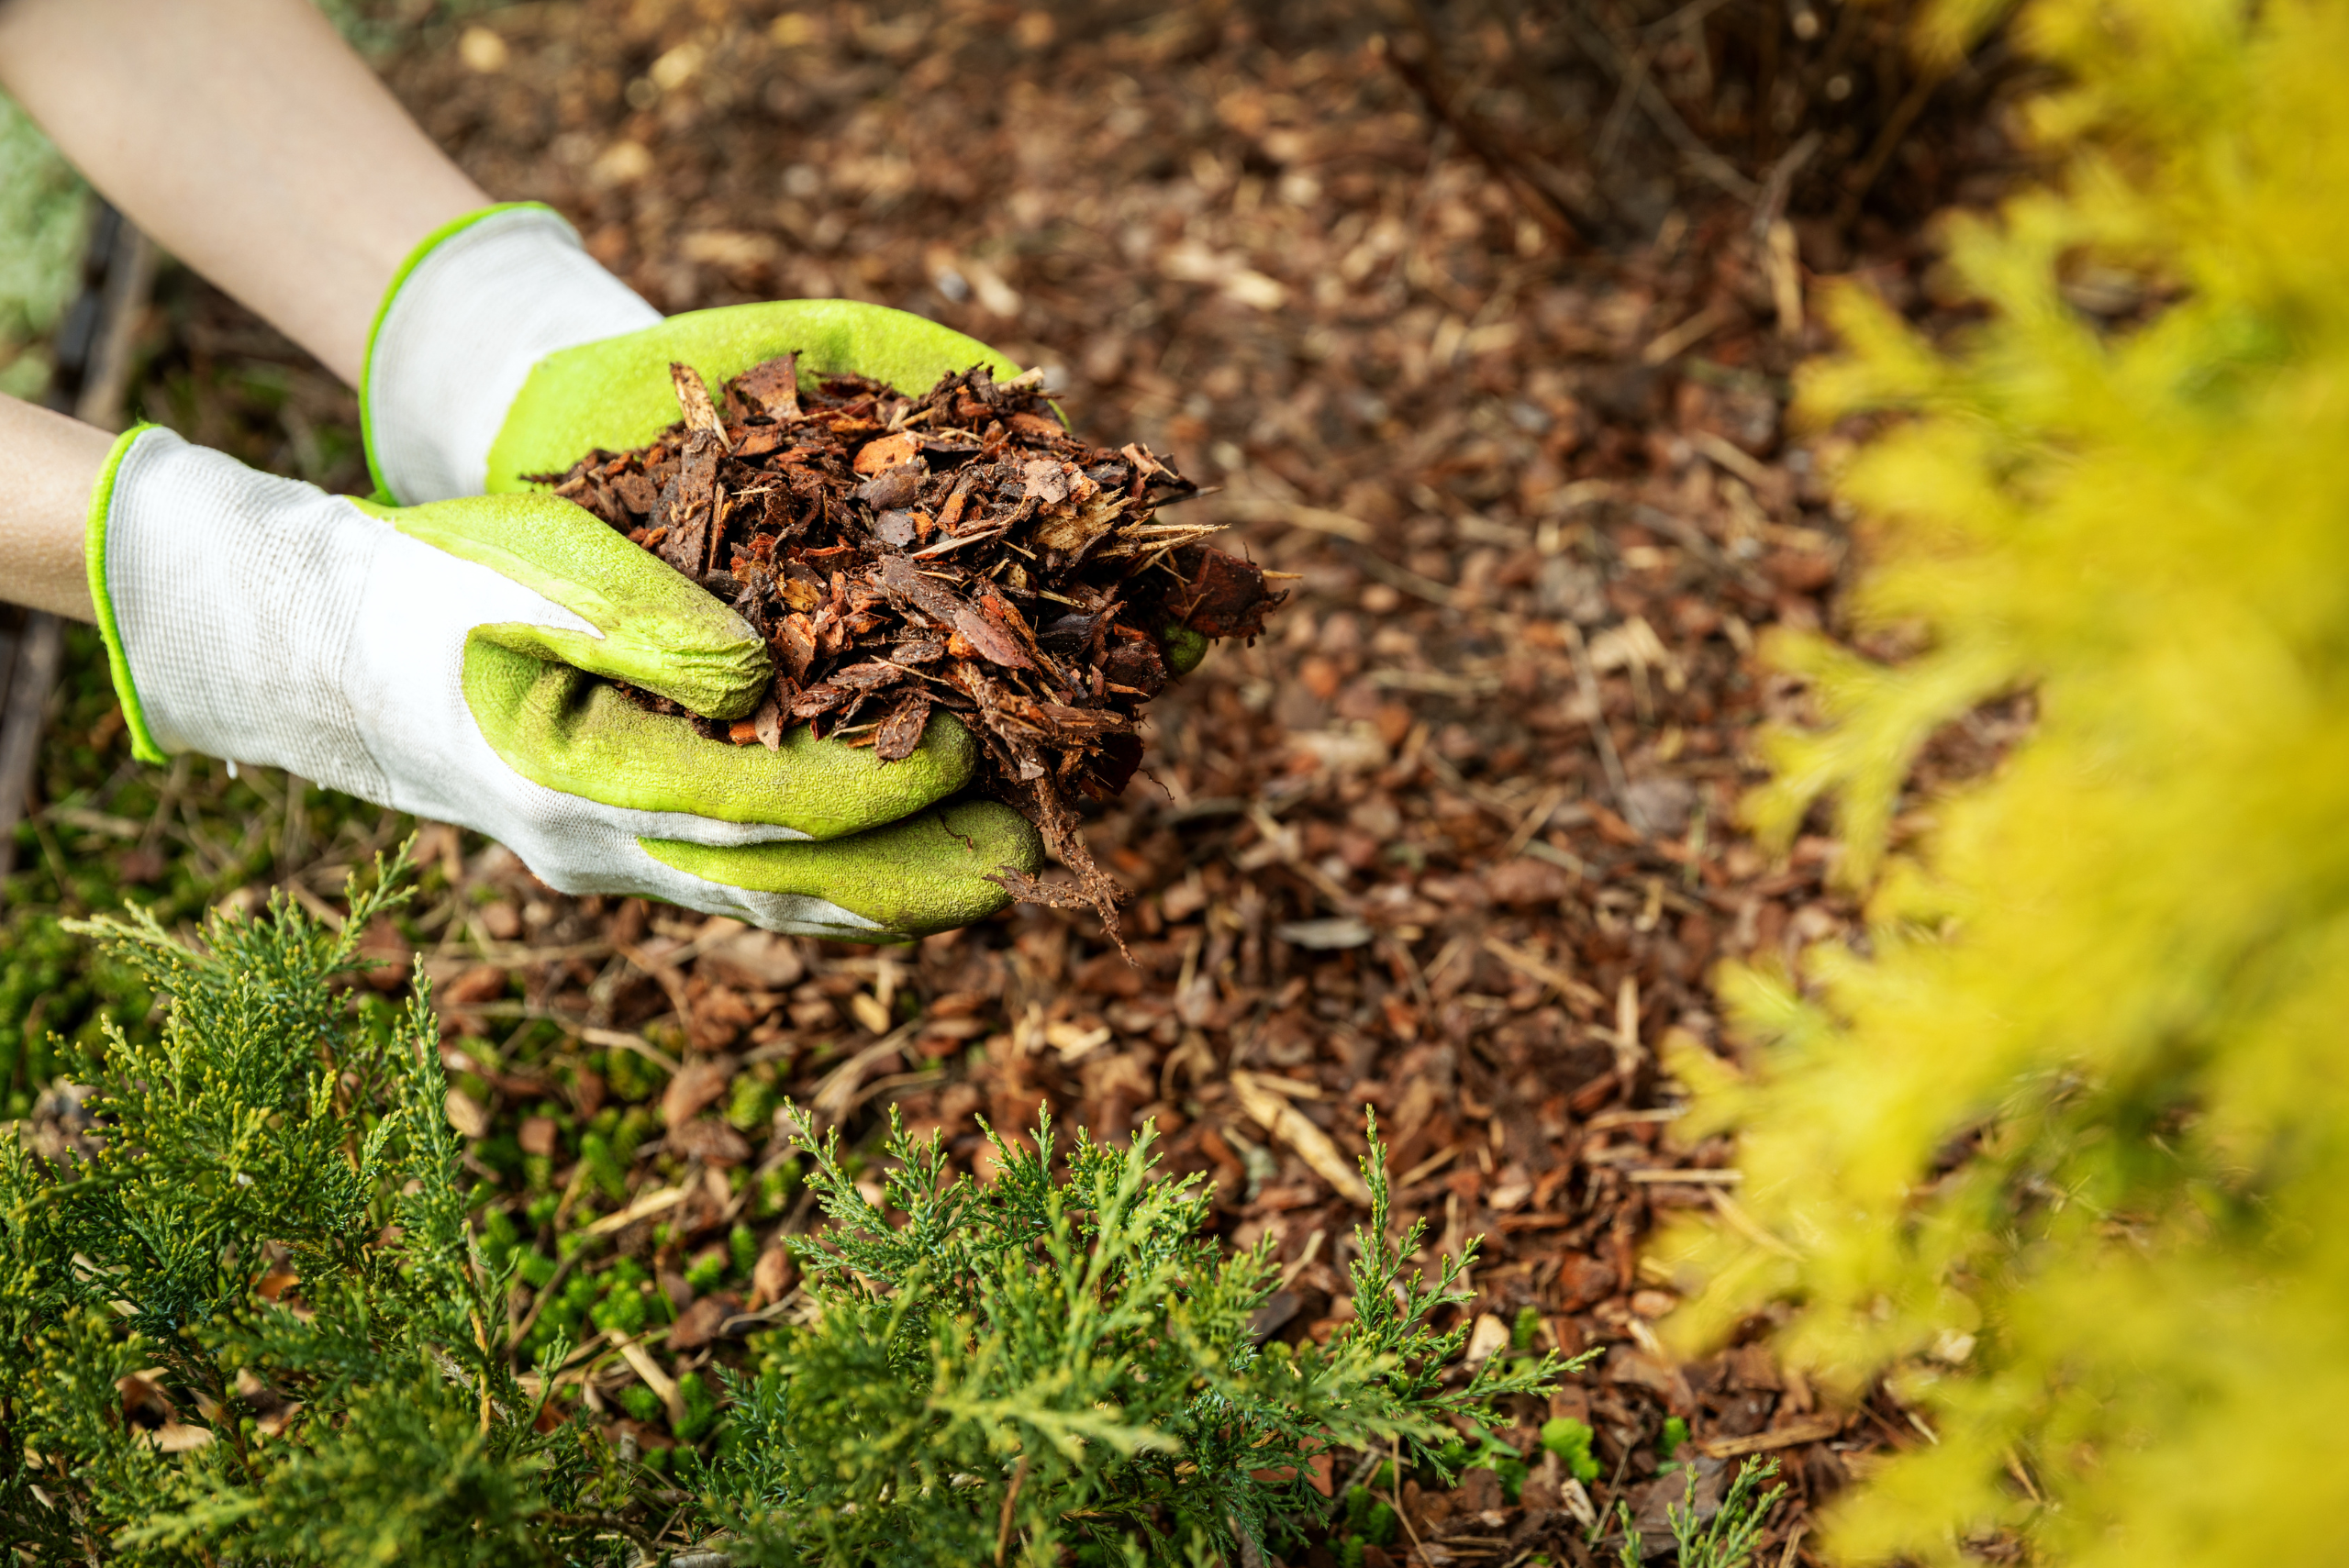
2065 1152
1726 1540
254 1322
1047 1362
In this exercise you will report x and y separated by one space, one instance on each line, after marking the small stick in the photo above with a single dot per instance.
1003 1530
693 402
1586 681
481 1338
1395 1495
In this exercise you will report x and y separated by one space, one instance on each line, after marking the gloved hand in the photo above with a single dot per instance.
436 659
503 349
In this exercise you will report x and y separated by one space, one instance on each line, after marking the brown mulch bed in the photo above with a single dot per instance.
1455 839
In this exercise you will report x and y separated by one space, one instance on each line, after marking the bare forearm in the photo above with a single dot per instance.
248 139
49 464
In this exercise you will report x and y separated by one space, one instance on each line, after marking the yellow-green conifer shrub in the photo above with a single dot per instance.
2066 1149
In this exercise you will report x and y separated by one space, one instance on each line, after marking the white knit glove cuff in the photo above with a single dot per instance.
229 600
474 311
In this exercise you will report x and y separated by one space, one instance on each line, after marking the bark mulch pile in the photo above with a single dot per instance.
1455 839
958 551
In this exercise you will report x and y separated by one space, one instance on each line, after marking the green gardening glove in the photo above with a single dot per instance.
617 393
504 350
441 660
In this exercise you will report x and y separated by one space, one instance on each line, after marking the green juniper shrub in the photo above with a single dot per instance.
54 982
252 1325
1039 1362
1727 1538
261 1322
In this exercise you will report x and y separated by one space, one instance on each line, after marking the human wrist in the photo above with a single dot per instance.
477 305
52 463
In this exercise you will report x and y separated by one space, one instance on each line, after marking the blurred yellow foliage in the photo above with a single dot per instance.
2067 1154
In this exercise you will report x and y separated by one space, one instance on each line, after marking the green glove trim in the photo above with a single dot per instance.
424 248
557 727
93 560
924 874
616 394
660 630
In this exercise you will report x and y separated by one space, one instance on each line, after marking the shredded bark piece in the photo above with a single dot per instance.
693 397
772 388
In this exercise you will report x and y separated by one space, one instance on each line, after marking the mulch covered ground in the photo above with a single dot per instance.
1455 840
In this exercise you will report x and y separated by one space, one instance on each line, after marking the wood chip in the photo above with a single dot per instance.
466 1114
692 400
659 1201
1801 1429
774 386
900 732
1695 1177
663 1387
696 1084
1289 1125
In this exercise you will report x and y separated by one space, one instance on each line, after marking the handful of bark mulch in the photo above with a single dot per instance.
959 552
